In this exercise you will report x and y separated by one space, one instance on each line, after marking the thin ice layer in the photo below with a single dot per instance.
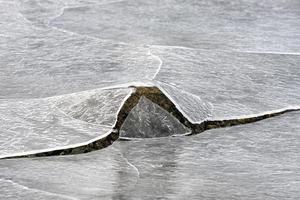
147 120
95 106
39 125
254 161
190 105
265 26
41 61
235 84
103 174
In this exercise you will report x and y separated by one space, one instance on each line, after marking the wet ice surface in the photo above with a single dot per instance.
95 106
236 25
86 176
254 161
213 59
38 125
147 120
231 84
43 61
191 106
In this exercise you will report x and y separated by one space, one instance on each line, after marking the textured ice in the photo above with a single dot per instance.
65 68
97 175
95 106
254 161
38 125
270 25
192 106
43 61
147 120
234 84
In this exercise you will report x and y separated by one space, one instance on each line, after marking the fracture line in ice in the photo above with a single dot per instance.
66 6
160 62
271 52
38 190
71 145
226 50
275 111
173 47
134 167
175 103
78 34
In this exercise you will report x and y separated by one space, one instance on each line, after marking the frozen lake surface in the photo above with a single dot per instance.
74 72
254 161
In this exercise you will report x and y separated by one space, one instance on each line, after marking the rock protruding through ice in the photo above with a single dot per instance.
147 120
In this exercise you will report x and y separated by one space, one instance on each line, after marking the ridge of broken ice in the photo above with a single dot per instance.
246 67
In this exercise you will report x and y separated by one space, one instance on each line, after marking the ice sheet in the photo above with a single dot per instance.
234 84
254 161
97 175
190 105
40 61
214 59
39 125
148 119
94 106
270 25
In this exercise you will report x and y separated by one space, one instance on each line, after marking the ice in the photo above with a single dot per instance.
192 106
147 120
95 106
66 67
232 84
60 47
40 125
254 161
271 25
43 61
97 175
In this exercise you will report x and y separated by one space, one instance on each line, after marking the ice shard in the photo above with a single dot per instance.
43 125
96 106
192 106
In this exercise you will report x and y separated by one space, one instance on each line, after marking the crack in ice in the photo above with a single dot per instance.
134 167
159 60
38 190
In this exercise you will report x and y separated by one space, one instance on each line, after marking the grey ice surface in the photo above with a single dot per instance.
214 59
147 120
192 106
254 161
95 106
230 84
58 122
269 25
97 175
43 61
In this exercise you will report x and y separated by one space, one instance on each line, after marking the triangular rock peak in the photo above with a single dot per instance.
148 119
